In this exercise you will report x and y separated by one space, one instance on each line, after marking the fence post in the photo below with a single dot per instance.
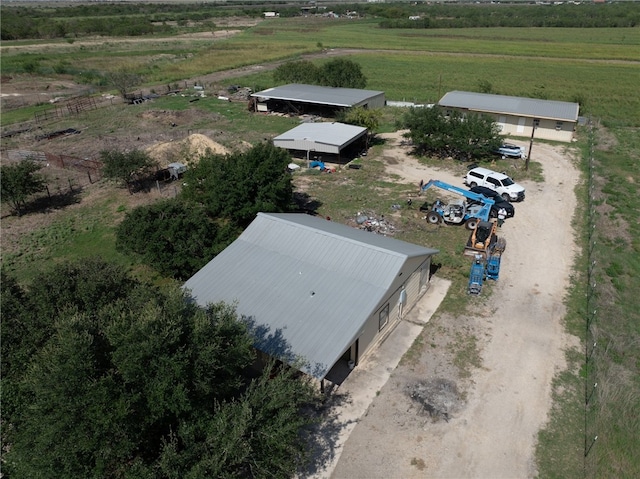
89 175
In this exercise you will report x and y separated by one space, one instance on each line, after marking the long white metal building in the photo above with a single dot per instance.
299 98
517 116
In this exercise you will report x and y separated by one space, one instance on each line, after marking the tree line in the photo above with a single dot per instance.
624 14
220 196
340 72
466 137
132 19
117 19
107 376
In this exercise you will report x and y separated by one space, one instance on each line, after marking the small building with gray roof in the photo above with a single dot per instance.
517 116
299 99
316 294
324 138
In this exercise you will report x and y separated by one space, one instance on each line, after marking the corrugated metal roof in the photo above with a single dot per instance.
511 105
307 284
312 136
325 95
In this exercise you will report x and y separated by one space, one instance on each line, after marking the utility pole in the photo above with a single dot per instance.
533 130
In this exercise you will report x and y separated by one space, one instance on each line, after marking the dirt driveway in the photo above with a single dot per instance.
495 414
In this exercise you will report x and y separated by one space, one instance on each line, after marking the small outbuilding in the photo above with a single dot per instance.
518 116
316 294
323 100
316 139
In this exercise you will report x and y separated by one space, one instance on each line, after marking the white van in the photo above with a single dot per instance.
508 189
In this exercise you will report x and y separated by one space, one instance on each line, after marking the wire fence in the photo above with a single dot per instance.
65 176
591 322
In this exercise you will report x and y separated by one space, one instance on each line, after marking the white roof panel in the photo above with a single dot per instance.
326 95
335 134
511 105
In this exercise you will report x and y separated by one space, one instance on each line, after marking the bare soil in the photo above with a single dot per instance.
432 419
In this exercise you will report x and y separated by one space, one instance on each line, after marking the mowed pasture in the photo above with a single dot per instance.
599 68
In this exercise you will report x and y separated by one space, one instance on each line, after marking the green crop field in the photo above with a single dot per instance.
597 67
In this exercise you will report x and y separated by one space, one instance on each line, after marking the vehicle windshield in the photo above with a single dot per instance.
507 182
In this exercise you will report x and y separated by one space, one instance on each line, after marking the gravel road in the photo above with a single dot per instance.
493 428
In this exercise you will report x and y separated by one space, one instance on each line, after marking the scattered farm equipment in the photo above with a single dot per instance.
481 239
476 275
487 250
459 211
495 257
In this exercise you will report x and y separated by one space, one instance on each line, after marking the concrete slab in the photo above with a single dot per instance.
373 371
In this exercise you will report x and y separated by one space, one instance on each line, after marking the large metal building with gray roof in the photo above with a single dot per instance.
517 116
316 294
298 98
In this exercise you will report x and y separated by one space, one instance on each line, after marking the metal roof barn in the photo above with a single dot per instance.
511 105
323 95
306 285
320 137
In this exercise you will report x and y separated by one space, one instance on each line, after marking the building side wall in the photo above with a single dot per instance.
306 145
377 101
416 284
520 126
547 129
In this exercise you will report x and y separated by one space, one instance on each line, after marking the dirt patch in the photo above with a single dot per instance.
438 398
187 151
19 91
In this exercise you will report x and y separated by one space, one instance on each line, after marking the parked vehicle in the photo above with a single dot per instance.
458 211
501 183
509 150
499 201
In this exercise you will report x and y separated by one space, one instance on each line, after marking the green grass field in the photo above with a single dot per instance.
599 68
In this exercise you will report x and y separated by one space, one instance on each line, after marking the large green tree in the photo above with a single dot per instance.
128 166
19 181
141 384
463 137
339 72
366 117
343 73
238 186
302 71
175 238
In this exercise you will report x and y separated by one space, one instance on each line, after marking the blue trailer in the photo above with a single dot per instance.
495 257
476 275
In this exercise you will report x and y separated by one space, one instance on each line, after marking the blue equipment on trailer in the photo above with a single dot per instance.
495 257
457 212
493 267
476 275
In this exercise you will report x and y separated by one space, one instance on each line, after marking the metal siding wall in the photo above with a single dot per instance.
545 131
370 333
413 290
377 101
